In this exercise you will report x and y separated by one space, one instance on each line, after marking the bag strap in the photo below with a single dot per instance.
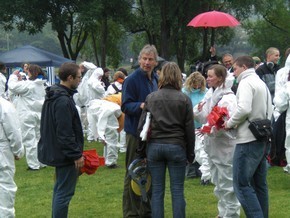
116 88
266 104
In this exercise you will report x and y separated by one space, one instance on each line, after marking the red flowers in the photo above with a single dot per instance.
216 118
92 161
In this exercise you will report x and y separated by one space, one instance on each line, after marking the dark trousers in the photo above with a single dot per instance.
64 189
133 206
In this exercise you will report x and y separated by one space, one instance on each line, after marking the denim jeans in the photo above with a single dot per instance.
64 188
160 156
250 182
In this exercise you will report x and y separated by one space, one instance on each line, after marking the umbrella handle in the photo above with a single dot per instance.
212 36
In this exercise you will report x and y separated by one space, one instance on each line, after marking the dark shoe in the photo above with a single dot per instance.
204 182
31 169
113 166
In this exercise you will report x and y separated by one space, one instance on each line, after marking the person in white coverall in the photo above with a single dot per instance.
195 88
81 98
11 149
281 101
105 116
115 88
96 90
220 144
28 105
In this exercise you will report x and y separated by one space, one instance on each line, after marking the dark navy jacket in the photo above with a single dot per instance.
135 89
62 140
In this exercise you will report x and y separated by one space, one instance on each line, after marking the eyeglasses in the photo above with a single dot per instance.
79 77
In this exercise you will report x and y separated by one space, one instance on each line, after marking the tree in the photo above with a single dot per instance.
62 14
268 29
106 28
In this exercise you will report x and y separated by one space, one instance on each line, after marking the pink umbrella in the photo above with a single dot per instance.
213 19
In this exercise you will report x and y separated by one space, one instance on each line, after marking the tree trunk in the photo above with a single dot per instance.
165 30
95 48
104 34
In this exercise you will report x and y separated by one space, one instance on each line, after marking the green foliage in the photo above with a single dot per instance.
96 30
100 194
271 28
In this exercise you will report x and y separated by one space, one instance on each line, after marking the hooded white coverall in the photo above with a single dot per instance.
280 80
220 146
281 101
10 147
28 105
96 90
104 115
81 98
122 135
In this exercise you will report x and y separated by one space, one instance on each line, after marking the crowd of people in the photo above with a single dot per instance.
208 136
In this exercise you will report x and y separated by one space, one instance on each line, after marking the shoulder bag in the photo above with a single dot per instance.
262 129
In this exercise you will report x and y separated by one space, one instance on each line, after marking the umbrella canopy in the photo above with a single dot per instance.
213 19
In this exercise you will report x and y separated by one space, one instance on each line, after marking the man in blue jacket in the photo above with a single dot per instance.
61 143
136 87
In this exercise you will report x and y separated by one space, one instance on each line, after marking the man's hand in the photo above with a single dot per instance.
142 105
212 51
79 163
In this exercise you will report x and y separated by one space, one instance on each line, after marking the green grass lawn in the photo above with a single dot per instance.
100 194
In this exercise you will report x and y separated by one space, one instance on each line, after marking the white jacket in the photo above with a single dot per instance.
96 89
10 146
282 76
221 96
82 97
252 100
30 94
281 80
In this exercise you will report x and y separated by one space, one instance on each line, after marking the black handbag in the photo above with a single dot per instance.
262 129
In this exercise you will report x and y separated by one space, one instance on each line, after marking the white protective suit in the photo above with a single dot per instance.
280 80
282 104
122 135
96 90
104 115
220 147
81 98
10 147
29 104
202 157
2 85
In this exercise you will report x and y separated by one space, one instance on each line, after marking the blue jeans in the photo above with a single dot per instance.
250 183
64 189
160 156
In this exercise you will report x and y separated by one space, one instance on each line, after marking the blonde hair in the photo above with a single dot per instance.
196 78
271 51
170 75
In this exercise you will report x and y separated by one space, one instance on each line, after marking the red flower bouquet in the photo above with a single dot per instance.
91 162
216 118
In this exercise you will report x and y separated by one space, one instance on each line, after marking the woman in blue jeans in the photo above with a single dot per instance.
171 141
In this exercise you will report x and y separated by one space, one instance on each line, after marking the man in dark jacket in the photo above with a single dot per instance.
268 70
135 89
61 142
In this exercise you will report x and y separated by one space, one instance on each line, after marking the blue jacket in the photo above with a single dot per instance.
61 141
195 96
135 89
